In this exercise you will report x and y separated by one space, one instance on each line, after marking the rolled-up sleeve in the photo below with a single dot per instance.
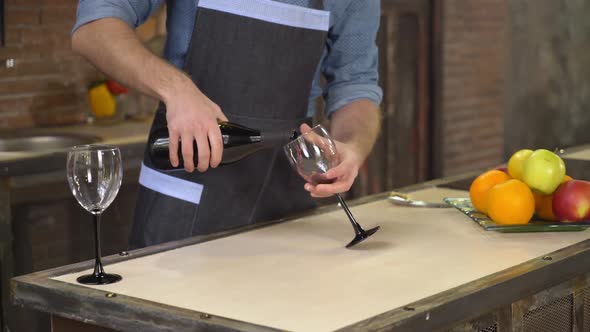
351 64
132 12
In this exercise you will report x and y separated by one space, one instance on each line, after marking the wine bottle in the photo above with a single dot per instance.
238 142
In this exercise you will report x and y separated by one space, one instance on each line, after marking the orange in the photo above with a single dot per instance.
511 203
482 184
544 206
544 203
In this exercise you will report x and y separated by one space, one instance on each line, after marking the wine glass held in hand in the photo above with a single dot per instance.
312 154
94 175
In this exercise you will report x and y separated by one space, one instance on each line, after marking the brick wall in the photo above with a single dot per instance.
48 84
473 99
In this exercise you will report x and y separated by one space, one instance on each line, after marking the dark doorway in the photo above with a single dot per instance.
403 153
1 23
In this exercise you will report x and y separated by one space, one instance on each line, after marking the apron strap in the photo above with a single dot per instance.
273 11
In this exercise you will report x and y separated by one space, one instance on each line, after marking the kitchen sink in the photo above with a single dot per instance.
39 143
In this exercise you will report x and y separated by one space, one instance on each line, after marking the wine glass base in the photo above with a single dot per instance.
100 279
362 236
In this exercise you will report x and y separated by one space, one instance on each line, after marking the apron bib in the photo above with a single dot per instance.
256 59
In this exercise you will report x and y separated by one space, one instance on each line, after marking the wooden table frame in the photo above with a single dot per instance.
125 313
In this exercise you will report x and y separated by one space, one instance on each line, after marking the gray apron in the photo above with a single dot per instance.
256 59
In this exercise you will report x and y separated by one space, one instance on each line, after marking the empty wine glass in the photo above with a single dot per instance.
94 175
312 154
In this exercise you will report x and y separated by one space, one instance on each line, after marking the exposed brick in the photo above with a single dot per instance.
62 115
48 85
54 99
43 111
30 68
12 37
15 120
32 85
11 103
22 3
22 16
19 53
59 3
473 92
56 36
63 15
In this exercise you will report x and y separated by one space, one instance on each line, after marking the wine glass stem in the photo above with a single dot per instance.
98 269
357 228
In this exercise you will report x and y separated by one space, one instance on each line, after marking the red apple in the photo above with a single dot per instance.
571 201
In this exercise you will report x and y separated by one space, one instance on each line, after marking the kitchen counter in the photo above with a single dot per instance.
42 225
130 136
427 269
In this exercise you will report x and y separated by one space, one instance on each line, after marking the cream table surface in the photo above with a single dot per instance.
297 276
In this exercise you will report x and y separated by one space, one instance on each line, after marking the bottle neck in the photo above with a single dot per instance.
278 138
160 144
271 138
227 139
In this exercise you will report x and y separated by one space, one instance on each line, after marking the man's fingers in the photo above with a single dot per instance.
314 195
304 128
327 190
337 172
332 188
215 138
204 152
221 116
218 112
216 143
173 147
187 152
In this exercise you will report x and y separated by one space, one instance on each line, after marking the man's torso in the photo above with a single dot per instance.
181 19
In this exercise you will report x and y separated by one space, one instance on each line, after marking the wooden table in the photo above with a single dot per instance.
427 269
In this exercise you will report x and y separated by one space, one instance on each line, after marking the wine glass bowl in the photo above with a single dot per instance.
312 154
94 174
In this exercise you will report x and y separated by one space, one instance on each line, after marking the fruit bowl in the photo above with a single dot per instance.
535 225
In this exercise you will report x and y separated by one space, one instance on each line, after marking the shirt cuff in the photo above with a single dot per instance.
88 12
340 96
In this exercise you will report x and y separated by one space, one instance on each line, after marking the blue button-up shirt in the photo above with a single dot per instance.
349 63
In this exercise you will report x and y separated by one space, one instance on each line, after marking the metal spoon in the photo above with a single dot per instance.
404 200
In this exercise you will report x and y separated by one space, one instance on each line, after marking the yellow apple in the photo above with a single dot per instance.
543 171
516 162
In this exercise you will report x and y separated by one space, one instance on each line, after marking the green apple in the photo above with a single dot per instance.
516 162
543 171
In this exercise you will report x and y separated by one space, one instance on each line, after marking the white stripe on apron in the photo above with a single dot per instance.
170 185
272 11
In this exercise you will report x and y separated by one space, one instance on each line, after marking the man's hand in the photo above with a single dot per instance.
193 117
114 48
354 129
342 175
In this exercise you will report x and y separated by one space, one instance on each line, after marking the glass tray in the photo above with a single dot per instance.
535 225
